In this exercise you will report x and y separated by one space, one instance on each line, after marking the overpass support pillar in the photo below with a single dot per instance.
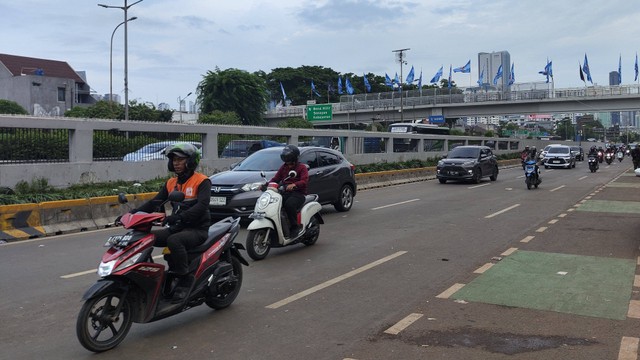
210 145
80 145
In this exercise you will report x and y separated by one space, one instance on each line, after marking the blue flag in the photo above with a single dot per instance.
349 87
436 77
339 85
620 69
636 68
282 88
420 81
449 82
464 69
585 68
367 86
512 75
313 88
387 80
548 71
396 82
498 75
410 76
481 78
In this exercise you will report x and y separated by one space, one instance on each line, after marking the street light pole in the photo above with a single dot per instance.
180 100
111 61
126 57
400 56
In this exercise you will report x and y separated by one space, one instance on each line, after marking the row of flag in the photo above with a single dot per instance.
585 75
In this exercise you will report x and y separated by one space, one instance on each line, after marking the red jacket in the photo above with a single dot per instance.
301 180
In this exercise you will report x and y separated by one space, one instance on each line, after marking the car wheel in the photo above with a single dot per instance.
345 199
494 177
477 175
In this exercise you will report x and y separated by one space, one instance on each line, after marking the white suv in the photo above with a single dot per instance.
559 156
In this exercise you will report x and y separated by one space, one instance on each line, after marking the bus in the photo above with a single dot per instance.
416 127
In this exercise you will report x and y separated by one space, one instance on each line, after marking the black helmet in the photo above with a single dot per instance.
290 153
185 150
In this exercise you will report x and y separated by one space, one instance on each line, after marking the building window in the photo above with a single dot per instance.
62 94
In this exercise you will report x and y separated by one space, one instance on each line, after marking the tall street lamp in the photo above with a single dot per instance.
111 61
126 60
180 100
400 58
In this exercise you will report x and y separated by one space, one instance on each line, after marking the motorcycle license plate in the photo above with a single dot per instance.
218 201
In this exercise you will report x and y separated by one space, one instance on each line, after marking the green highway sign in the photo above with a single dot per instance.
319 112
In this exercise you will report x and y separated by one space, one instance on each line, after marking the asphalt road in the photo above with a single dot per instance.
417 271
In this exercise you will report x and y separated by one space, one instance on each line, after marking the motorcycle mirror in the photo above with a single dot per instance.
292 174
176 196
122 198
263 175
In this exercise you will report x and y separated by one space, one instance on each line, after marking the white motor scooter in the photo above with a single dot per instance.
267 230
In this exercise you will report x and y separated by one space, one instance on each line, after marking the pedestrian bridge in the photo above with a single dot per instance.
392 107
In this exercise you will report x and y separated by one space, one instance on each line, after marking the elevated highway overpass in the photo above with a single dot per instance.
386 107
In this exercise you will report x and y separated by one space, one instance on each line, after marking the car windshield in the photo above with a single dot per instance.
558 150
261 161
464 153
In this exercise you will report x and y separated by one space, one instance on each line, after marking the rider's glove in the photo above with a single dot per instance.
171 220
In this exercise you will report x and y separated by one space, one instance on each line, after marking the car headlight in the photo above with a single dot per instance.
251 186
469 163
441 163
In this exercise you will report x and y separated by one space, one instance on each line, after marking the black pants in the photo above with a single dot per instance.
292 204
179 243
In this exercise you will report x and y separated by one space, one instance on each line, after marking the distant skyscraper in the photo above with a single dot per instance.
614 79
490 63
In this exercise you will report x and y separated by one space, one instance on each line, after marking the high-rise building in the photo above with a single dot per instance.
488 66
614 79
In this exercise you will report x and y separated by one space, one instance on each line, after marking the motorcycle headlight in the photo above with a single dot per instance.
263 201
105 269
251 186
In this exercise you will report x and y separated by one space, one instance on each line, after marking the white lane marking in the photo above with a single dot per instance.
527 239
628 348
502 211
333 281
520 177
396 204
541 229
483 268
558 188
403 324
584 177
450 291
477 186
553 221
94 271
634 309
562 215
509 251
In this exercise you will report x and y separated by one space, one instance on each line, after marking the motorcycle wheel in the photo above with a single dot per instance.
98 327
528 181
314 227
258 245
226 292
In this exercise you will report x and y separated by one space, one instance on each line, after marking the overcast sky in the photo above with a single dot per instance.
173 43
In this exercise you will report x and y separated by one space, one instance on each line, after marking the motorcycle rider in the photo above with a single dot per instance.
524 155
295 188
189 227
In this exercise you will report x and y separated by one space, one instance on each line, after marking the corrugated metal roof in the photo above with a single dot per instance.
19 65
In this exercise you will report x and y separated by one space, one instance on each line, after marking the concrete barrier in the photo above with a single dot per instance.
105 209
59 217
20 221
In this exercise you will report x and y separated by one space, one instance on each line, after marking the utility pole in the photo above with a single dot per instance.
401 60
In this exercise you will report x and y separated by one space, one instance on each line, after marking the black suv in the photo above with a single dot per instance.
468 163
331 176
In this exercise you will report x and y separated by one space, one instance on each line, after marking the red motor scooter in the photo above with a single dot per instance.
133 288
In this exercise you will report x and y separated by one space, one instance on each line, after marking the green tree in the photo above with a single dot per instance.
220 118
234 90
11 107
